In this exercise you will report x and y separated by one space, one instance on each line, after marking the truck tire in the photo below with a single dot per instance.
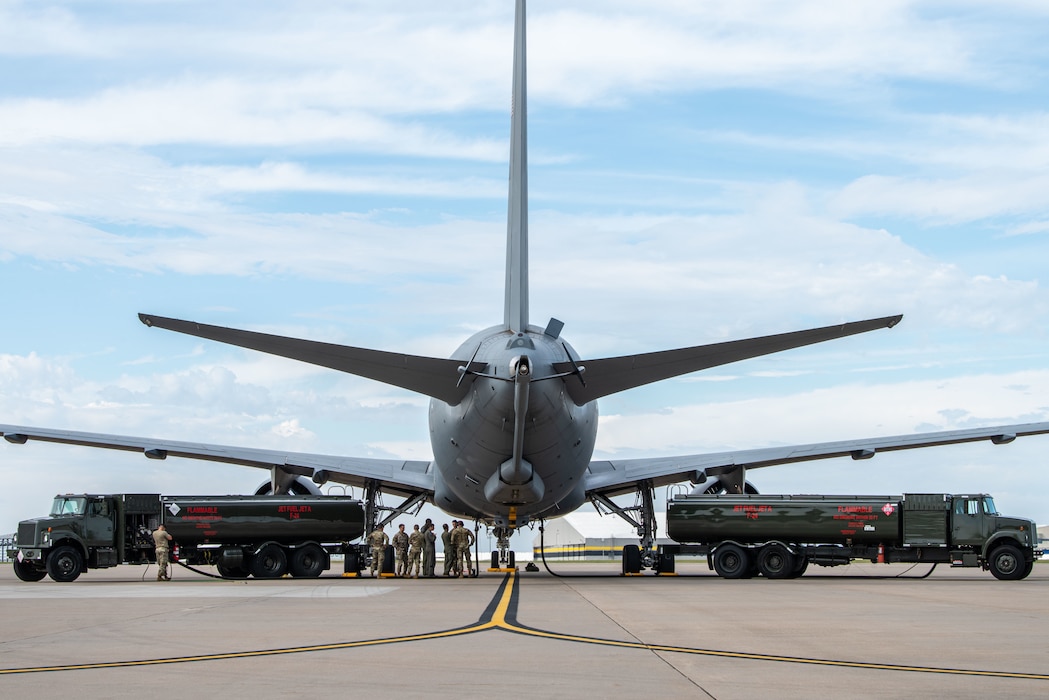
731 561
65 564
775 561
27 572
309 561
1007 563
270 562
230 571
801 563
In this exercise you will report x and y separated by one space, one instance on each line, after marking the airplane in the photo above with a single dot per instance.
513 413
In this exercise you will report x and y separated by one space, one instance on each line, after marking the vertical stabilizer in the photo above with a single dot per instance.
516 303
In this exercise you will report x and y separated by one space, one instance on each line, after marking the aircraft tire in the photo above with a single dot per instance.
631 559
65 564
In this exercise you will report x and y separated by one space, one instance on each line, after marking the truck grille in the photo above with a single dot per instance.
26 534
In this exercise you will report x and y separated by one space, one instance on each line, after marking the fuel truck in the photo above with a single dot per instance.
779 536
260 536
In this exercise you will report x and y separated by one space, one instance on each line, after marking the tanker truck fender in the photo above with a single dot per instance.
1000 538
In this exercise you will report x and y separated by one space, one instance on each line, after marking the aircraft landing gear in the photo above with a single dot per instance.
504 558
644 555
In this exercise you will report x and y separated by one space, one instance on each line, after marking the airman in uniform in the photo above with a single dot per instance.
415 541
455 537
446 542
461 538
378 541
400 551
468 542
429 550
161 540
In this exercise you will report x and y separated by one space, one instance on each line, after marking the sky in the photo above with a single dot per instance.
699 172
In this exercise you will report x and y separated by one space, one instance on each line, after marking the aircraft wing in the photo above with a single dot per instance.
614 477
401 477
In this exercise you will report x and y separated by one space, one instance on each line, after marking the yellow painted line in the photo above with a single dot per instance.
498 620
248 654
773 657
499 616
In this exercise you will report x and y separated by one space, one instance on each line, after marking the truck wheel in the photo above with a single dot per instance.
800 564
308 562
64 564
27 572
1007 563
775 561
731 561
231 571
270 562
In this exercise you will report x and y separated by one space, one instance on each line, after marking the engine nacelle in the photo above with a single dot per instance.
299 486
712 486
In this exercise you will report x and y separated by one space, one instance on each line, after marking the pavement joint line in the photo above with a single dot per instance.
501 614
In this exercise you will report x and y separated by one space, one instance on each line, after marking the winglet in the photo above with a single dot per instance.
516 300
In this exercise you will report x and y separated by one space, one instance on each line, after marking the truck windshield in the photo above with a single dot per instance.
988 506
66 505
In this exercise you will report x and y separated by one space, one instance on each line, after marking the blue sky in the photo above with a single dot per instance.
700 172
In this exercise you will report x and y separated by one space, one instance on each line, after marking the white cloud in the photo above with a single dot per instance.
340 175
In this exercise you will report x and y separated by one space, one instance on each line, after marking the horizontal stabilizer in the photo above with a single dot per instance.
614 374
434 377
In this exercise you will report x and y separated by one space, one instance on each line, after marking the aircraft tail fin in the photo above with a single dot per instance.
516 296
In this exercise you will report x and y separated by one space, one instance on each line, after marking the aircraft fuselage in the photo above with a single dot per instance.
473 441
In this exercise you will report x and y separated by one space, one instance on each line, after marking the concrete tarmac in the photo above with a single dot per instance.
847 631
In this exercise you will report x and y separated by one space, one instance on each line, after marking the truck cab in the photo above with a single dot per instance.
83 531
1005 545
972 519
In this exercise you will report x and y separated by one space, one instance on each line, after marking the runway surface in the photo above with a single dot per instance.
855 630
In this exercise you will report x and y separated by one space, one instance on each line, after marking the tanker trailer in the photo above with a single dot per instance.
265 536
779 536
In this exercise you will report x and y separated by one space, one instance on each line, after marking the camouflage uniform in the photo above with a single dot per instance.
160 540
467 543
400 552
446 542
415 541
378 541
458 536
